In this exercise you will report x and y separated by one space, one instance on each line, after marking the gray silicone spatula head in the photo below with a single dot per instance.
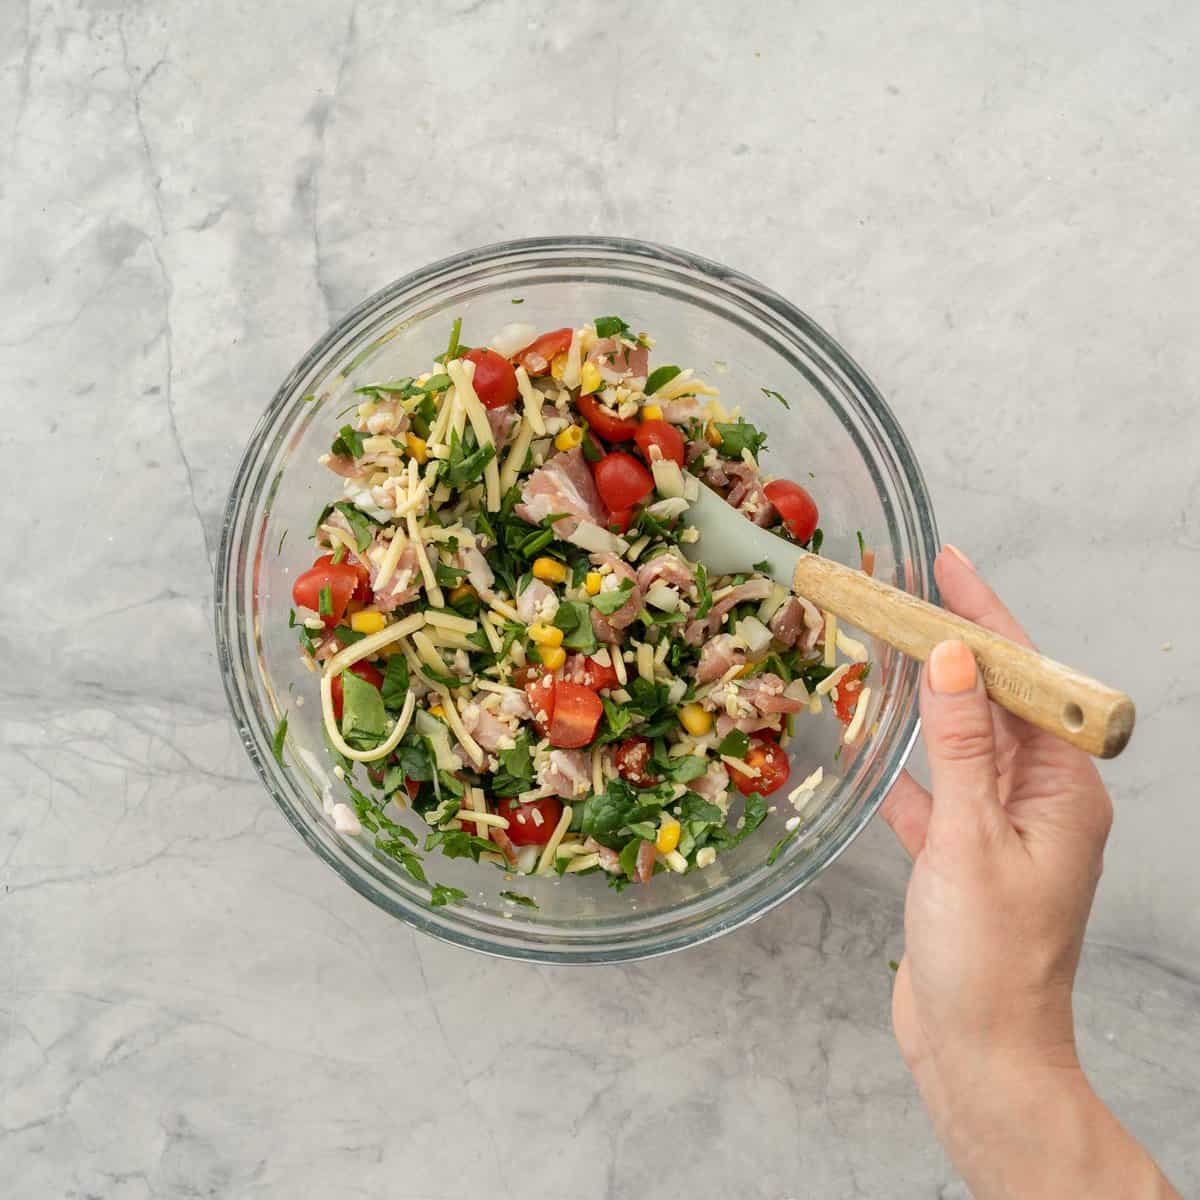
730 542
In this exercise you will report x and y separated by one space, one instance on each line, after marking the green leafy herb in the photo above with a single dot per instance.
392 839
780 845
763 567
517 300
515 774
862 546
774 395
448 576
362 525
607 327
395 683
574 619
364 718
735 743
451 350
608 811
686 767
458 843
339 554
659 376
348 443
816 541
462 467
517 898
436 383
629 855
893 965
347 636
325 602
441 894
704 592
591 450
278 740
282 539
608 602
616 720
737 436
291 618
693 807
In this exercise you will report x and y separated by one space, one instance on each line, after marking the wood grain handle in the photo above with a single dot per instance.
1074 707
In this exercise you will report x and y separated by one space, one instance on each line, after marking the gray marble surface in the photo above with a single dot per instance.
992 206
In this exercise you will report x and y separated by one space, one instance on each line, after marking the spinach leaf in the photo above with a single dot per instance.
737 436
395 682
610 327
458 843
364 718
658 377
628 856
575 621
607 603
441 894
693 807
362 525
735 743
348 443
704 592
462 467
515 773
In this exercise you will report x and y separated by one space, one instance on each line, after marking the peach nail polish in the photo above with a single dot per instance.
962 558
952 668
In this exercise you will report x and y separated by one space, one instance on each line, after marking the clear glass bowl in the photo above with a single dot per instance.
838 437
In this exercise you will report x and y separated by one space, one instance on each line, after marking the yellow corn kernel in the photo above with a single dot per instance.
464 591
589 379
553 657
436 710
417 449
542 634
652 412
367 621
592 582
695 720
570 437
558 365
549 570
712 435
668 837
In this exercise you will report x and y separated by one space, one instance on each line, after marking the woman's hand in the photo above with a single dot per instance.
1007 852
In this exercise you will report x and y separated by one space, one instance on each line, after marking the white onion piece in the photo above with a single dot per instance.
513 337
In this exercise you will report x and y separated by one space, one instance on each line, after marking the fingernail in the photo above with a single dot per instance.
962 558
951 668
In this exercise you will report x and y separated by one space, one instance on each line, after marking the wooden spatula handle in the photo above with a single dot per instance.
1074 707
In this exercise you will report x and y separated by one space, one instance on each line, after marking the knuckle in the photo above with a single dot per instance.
964 741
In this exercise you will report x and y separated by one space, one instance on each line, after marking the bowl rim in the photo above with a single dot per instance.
745 289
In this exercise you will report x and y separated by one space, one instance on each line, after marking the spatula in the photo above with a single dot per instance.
1074 707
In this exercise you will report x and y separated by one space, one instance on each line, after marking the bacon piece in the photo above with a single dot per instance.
755 589
563 485
717 657
568 772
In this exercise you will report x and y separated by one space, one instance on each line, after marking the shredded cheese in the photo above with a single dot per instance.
582 863
860 715
597 770
447 620
830 640
391 558
372 643
533 403
342 746
645 662
574 362
741 766
465 740
517 453
831 681
465 389
482 818
547 858
852 649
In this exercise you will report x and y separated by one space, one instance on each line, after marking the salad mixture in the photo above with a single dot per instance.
509 639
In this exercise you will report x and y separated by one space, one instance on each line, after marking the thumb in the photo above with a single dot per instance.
960 744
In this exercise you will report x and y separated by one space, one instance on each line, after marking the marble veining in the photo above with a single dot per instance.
994 210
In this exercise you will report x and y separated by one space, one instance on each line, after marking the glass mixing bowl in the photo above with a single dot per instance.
837 437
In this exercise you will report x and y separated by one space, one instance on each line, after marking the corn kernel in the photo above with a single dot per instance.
542 634
553 657
558 365
652 412
436 710
589 379
668 837
570 437
549 570
712 435
695 720
417 449
367 621
592 583
464 591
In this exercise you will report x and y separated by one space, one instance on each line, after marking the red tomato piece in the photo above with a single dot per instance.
538 355
622 481
772 763
848 692
582 668
540 690
663 435
363 671
619 522
632 762
577 712
795 506
605 422
531 824
495 380
343 581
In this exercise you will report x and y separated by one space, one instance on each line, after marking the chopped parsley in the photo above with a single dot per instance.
348 443
441 894
737 436
607 327
774 395
517 898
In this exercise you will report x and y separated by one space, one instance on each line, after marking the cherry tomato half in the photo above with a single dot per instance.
632 762
622 481
363 671
495 380
540 689
581 668
848 692
663 435
577 712
619 521
772 763
605 422
795 506
526 829
537 356
344 581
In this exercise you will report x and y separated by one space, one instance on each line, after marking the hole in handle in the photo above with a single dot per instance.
1072 717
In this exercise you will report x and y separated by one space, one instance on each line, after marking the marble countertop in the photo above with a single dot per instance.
992 207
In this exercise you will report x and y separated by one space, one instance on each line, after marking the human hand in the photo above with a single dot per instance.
1007 852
